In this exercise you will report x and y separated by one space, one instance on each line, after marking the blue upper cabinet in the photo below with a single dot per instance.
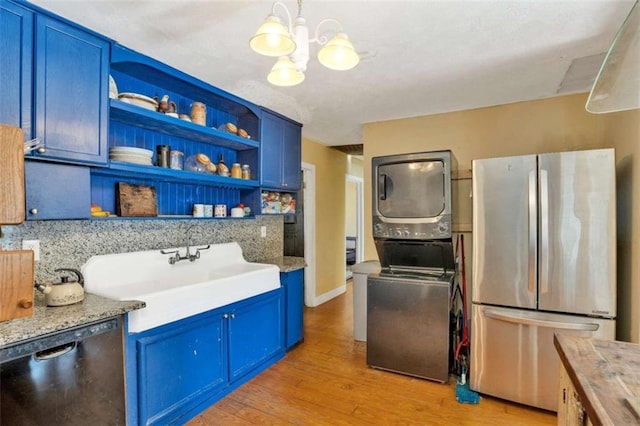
281 152
57 191
71 91
16 59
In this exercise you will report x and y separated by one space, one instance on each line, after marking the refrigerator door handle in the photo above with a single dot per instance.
544 231
533 214
540 322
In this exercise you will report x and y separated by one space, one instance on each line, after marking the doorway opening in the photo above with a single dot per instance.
354 222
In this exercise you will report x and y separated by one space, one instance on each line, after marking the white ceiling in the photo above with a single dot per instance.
419 57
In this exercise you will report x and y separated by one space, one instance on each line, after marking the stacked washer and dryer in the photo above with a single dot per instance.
409 300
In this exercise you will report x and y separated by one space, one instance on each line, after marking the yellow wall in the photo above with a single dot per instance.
622 130
548 125
351 209
355 166
331 167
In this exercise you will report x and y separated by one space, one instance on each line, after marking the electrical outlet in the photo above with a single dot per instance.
263 231
32 245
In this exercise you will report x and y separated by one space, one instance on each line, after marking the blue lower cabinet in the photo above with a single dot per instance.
256 334
293 283
177 370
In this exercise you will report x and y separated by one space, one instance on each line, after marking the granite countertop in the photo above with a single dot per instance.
46 320
286 263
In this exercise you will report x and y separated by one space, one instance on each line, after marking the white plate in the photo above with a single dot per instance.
139 100
131 150
130 156
128 159
113 89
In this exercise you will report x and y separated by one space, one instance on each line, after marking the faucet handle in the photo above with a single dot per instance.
168 251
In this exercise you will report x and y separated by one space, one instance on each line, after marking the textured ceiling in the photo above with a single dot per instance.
419 57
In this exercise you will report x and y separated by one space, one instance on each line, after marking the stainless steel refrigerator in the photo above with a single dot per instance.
544 262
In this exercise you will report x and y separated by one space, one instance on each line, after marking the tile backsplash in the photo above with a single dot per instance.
70 243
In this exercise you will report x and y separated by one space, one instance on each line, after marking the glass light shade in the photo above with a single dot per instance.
617 86
272 38
284 73
338 54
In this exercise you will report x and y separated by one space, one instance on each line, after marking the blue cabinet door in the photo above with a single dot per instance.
57 191
71 92
178 365
293 283
291 156
256 333
16 60
281 152
272 135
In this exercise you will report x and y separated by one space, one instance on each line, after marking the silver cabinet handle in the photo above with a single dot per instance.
540 322
33 211
225 316
233 316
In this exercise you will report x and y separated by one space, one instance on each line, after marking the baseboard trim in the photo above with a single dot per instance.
325 297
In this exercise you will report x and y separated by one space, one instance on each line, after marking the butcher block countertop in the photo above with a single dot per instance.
47 320
605 374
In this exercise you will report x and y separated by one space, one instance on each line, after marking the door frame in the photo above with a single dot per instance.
309 215
359 182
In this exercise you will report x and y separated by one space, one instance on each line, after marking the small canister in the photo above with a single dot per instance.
163 156
236 171
220 210
199 113
198 210
176 160
246 171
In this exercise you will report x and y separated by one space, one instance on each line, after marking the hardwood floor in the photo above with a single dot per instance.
325 381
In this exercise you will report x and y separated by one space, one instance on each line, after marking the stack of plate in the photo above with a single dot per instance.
131 155
139 100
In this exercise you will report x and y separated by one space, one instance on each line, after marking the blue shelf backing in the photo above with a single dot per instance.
173 199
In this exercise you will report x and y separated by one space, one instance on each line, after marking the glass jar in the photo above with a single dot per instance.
246 171
176 160
198 163
236 171
199 113
223 170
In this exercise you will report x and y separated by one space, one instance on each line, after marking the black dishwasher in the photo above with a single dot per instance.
74 377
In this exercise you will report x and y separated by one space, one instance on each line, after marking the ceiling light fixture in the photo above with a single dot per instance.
291 45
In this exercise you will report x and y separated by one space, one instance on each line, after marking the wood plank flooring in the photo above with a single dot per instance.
325 381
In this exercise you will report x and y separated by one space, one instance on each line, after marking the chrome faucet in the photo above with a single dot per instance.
188 256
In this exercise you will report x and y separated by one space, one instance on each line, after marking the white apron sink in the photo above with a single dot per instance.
171 292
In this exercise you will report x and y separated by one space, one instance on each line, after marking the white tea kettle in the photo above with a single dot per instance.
65 292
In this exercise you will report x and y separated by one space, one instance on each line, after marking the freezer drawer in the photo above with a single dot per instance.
408 326
512 352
